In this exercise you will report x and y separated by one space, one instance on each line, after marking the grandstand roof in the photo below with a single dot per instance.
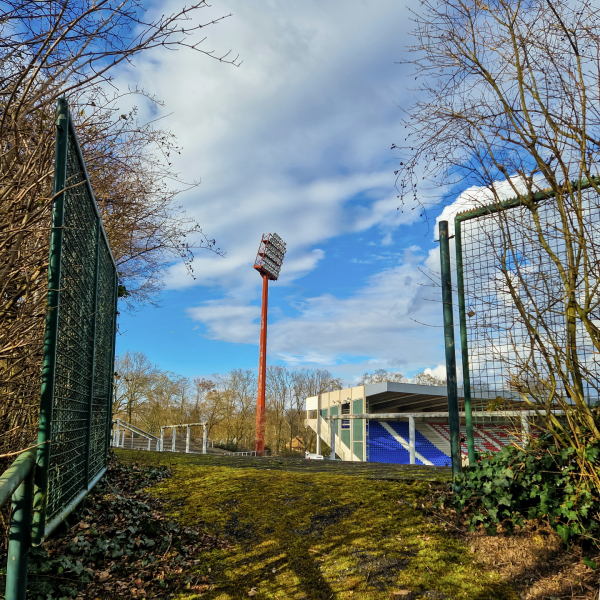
406 397
390 396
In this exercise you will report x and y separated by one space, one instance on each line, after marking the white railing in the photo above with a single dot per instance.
118 439
188 426
325 431
246 453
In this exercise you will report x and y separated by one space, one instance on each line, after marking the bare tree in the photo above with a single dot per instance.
213 410
243 388
427 379
134 376
131 171
202 387
48 50
509 101
279 387
310 382
379 376
182 390
151 398
235 393
164 402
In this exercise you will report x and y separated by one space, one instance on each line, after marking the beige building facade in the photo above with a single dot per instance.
350 435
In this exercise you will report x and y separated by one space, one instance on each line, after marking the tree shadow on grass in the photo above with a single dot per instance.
260 571
289 566
320 536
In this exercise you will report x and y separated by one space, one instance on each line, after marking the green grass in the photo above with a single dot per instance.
316 535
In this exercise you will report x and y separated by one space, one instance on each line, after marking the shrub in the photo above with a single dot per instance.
539 482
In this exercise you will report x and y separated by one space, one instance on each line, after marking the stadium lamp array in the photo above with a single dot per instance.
270 256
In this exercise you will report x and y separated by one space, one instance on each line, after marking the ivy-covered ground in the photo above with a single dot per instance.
188 528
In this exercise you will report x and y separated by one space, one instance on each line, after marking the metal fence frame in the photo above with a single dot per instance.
67 397
16 484
465 216
42 526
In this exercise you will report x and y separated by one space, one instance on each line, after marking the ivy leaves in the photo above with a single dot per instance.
120 543
541 482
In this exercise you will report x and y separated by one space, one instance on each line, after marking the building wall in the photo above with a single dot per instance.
329 403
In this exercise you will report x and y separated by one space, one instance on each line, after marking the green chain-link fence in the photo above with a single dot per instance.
513 303
77 373
75 411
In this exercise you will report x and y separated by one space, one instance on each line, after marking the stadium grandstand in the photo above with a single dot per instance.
386 440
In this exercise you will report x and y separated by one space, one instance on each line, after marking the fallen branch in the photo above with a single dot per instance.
25 450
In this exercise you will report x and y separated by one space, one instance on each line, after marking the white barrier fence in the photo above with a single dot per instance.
118 439
188 427
245 453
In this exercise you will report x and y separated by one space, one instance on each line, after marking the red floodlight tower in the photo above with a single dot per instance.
268 263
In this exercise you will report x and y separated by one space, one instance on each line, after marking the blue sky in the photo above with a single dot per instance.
295 141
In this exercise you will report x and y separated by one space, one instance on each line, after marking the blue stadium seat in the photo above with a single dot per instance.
422 445
384 448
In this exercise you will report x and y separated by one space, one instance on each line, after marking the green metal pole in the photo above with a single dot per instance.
450 349
17 481
88 446
51 333
19 539
462 317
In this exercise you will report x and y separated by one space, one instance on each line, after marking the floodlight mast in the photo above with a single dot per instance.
268 263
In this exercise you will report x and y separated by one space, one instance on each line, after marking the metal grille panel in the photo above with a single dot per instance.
501 250
75 341
75 409
104 368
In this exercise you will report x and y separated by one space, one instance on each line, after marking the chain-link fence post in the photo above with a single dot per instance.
109 400
452 387
88 445
464 348
19 538
51 333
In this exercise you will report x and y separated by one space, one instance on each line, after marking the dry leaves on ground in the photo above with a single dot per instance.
121 545
532 558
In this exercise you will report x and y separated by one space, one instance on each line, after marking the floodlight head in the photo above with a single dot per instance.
270 256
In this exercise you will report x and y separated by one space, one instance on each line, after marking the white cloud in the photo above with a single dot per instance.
383 320
228 321
297 141
307 215
288 141
479 196
438 372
